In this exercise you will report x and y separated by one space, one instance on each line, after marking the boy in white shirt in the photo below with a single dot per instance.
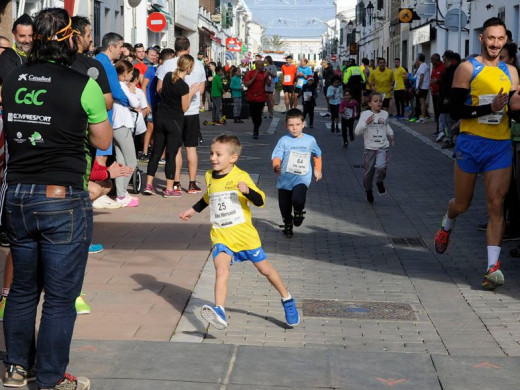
373 124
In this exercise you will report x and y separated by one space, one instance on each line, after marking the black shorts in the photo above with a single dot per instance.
288 89
423 93
334 111
297 91
386 102
191 131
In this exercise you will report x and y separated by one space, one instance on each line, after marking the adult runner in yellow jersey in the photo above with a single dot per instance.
480 94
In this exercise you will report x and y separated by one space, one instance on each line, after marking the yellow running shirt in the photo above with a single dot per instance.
399 75
483 87
383 81
230 215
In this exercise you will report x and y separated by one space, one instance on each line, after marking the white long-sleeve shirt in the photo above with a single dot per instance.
122 115
375 134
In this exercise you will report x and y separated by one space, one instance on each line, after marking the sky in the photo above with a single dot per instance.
292 18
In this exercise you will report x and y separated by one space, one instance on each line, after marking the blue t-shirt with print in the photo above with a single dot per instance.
307 72
296 155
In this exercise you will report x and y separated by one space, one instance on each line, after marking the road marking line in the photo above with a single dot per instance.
272 126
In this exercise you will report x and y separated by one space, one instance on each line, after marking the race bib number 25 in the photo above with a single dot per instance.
225 209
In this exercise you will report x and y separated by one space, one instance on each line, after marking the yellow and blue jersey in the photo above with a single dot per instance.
485 84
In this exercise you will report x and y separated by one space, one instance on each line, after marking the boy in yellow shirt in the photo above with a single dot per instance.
233 236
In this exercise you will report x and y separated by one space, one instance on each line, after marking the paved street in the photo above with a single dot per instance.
379 307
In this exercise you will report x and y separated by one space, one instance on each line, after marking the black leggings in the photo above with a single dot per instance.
166 133
289 199
308 108
347 124
399 101
256 109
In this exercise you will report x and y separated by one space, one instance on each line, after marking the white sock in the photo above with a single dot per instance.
448 223
493 255
286 299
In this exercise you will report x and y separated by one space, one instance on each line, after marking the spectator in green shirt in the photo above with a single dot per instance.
217 89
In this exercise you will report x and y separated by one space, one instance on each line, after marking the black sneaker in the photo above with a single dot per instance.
193 188
482 227
287 230
381 188
4 241
17 376
298 218
370 196
345 145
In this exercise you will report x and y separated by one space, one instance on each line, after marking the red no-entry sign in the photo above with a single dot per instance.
333 58
156 22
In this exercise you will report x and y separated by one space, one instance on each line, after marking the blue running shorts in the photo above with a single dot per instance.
476 154
253 255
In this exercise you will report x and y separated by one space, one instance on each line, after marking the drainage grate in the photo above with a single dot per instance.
358 310
409 242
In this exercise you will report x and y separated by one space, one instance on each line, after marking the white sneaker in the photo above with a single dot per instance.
440 137
128 201
104 202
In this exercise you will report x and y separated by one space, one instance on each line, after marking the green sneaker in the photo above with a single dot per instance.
412 120
3 301
81 306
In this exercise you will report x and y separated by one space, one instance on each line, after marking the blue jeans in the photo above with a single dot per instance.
49 240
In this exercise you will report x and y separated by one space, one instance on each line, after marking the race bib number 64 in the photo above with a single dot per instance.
298 163
225 209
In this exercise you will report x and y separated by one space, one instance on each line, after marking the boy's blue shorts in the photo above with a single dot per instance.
476 154
253 255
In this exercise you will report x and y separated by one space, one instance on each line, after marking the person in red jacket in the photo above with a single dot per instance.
438 69
255 81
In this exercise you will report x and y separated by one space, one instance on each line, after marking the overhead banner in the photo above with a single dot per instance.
232 44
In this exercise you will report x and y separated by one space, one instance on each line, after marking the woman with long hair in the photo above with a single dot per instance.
175 101
272 71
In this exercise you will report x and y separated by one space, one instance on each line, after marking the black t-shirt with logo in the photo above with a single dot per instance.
92 68
46 110
171 97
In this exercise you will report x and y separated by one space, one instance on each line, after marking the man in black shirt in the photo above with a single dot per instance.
13 57
52 112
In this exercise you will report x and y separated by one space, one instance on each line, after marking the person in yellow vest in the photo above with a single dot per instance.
382 80
482 87
354 80
366 70
400 76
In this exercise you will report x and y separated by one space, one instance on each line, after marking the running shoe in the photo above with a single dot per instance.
381 190
148 190
70 382
421 120
215 315
173 193
493 278
442 238
292 318
298 218
162 161
412 120
17 376
193 188
128 201
3 301
81 306
105 202
95 248
370 196
287 230
202 109
4 241
440 137
144 158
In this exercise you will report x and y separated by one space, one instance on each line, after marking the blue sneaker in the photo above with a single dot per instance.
292 318
95 248
215 315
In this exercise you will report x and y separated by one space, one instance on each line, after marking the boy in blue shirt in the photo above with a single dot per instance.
292 161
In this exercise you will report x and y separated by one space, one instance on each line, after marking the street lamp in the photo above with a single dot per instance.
370 13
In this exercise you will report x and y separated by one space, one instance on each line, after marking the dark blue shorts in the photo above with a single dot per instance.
476 154
253 255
